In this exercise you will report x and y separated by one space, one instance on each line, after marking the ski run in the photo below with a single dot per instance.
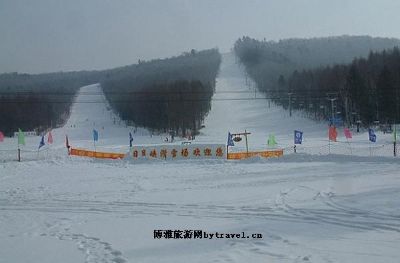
329 202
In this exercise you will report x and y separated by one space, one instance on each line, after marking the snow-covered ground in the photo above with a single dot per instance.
309 206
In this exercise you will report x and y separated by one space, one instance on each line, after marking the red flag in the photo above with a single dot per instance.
50 138
1 136
66 142
347 133
332 133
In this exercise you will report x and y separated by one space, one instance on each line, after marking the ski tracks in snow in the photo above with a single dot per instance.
95 249
324 209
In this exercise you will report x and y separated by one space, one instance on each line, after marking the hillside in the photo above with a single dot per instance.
313 71
139 93
366 90
266 61
165 95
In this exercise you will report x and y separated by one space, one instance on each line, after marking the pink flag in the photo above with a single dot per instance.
1 136
50 138
347 133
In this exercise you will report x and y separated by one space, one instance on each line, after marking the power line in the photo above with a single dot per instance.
158 100
46 93
294 99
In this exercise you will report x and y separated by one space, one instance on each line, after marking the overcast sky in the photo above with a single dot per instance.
54 35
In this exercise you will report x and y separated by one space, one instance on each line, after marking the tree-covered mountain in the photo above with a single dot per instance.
161 94
38 101
165 95
315 70
367 89
266 61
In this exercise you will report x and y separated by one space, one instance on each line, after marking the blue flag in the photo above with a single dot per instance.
130 139
95 135
372 136
41 144
230 140
298 137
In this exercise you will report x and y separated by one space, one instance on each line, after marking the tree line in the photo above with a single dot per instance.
309 74
163 94
38 102
168 95
367 90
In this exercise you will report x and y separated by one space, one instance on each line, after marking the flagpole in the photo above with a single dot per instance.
95 137
247 144
19 151
48 149
21 139
351 151
49 143
394 141
329 145
39 148
370 149
67 144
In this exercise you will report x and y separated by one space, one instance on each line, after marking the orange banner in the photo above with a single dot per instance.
92 154
231 156
265 154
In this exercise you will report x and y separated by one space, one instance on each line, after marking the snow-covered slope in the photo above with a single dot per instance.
91 111
237 107
308 208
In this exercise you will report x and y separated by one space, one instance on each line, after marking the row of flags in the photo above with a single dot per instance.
49 140
298 139
332 134
298 136
21 138
96 137
271 140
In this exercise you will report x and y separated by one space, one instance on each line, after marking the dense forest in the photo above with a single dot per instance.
164 94
38 102
311 72
169 95
368 89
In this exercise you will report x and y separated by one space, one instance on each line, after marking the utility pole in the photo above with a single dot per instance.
290 103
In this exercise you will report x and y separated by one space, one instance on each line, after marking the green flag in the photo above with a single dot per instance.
271 141
21 137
